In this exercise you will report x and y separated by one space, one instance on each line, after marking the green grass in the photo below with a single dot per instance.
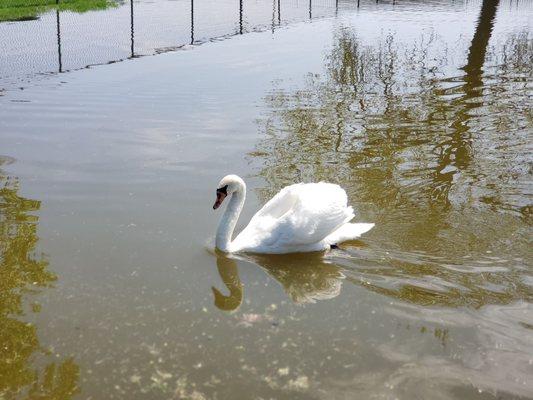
22 10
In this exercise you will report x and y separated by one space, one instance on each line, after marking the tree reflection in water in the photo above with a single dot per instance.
22 273
438 159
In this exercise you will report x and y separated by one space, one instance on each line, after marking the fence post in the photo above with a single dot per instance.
240 16
132 33
59 57
192 21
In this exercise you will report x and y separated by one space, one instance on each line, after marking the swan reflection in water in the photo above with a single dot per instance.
306 277
227 269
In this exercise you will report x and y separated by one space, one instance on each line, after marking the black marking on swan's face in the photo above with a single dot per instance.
221 195
223 190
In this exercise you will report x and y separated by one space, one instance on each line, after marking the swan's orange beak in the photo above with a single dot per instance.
220 198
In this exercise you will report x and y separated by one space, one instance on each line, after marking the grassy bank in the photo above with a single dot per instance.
21 10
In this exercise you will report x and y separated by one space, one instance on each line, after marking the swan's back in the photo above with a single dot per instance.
298 218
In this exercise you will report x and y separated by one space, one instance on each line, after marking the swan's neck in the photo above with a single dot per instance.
229 220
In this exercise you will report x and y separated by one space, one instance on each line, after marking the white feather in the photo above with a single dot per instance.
348 232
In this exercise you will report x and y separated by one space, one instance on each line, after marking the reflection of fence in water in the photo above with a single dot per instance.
61 41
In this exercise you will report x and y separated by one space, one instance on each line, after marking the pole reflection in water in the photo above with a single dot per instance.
455 153
480 41
26 371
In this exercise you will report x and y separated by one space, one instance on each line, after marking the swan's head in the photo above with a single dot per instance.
227 186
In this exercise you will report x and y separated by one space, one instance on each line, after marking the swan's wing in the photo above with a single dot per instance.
266 219
320 209
299 215
280 204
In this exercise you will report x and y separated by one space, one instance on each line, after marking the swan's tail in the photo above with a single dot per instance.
348 232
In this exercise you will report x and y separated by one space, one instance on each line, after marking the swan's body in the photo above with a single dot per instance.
301 218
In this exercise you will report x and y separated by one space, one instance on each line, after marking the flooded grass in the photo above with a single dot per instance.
24 10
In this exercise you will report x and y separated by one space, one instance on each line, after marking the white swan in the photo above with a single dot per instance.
300 218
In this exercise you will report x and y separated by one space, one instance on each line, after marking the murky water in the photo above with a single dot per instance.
110 288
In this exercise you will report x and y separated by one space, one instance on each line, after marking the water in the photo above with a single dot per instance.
110 287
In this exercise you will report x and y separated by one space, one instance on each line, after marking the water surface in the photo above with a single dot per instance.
110 287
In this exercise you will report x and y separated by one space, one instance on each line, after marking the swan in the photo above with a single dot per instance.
303 217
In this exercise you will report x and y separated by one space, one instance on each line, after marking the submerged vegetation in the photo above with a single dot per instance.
23 272
22 10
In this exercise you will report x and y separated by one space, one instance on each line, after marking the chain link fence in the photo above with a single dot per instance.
60 41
